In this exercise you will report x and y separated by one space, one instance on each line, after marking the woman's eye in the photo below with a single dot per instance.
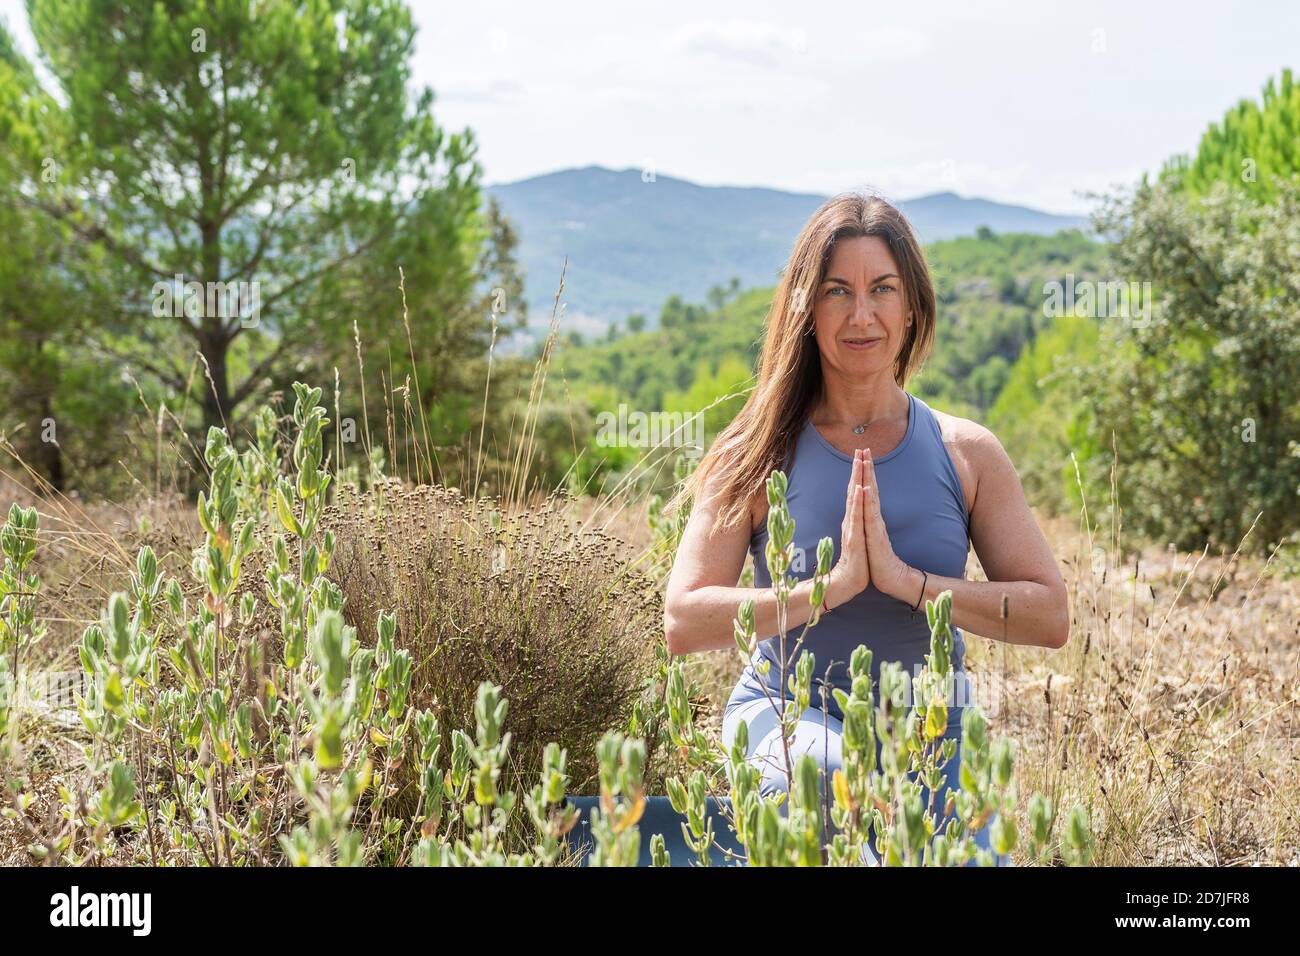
836 288
886 288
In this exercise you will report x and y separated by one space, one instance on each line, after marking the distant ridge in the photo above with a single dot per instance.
632 243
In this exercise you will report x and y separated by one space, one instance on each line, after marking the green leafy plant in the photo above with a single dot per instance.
20 627
19 587
216 739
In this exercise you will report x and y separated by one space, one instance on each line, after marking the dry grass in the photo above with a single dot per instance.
1172 712
528 599
535 601
86 551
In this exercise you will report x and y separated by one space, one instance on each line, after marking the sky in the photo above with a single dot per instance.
1032 103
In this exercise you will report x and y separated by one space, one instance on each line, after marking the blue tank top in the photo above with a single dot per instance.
924 510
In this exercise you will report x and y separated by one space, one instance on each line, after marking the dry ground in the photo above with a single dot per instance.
1171 714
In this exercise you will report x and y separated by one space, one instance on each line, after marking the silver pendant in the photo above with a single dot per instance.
859 429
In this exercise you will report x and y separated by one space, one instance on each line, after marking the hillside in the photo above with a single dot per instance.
631 244
990 306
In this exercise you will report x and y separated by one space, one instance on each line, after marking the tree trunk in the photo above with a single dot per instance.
214 347
51 455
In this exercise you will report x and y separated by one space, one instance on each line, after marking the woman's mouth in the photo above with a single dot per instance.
860 344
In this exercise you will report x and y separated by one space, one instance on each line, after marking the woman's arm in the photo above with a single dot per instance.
1015 556
702 600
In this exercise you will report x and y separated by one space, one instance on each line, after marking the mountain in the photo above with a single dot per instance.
632 243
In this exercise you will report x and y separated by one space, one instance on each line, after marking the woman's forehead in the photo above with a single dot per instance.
853 258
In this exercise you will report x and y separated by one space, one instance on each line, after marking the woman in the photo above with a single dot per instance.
902 489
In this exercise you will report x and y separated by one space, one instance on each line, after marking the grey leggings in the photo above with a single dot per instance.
818 734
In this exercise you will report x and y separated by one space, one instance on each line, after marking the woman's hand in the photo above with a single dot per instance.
888 571
852 572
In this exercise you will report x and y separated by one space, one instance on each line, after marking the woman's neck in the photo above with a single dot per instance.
857 402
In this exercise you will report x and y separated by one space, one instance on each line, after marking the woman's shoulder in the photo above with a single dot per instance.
711 498
961 432
758 501
971 446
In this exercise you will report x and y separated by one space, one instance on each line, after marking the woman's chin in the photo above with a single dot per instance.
862 362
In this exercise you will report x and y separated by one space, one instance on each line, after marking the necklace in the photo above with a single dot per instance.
859 429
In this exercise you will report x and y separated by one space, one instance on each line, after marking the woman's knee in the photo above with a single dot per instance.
811 739
775 777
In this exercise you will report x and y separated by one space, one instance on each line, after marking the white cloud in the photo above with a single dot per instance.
757 42
764 43
494 91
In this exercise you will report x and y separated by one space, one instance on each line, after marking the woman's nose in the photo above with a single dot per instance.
862 311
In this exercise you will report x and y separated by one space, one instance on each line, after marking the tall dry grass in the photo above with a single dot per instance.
85 552
527 599
1172 712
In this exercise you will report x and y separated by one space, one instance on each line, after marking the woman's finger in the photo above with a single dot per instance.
854 480
855 510
859 500
869 478
866 484
862 510
871 513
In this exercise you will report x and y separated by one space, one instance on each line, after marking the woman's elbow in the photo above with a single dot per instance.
675 629
1059 633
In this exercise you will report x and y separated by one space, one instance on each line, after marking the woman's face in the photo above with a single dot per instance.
860 313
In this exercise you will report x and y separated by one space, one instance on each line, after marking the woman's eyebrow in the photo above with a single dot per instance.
887 275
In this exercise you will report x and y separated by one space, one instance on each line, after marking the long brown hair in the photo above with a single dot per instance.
790 374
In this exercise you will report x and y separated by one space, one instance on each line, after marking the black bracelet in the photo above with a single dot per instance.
924 580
